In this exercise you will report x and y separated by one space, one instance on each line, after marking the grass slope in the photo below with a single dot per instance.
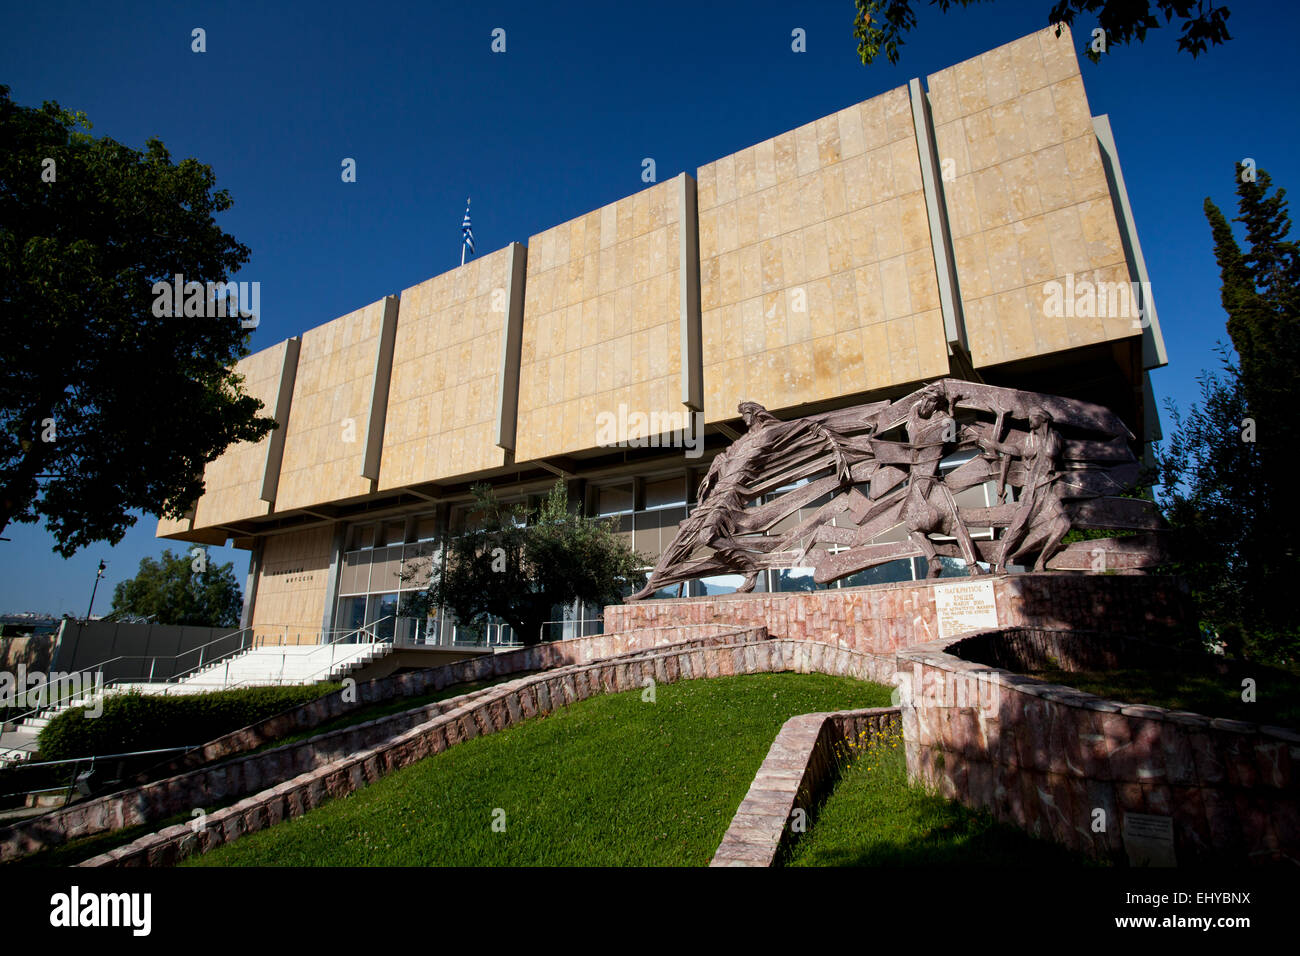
873 817
611 781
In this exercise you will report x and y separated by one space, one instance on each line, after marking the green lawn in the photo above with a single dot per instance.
382 708
84 848
873 817
610 781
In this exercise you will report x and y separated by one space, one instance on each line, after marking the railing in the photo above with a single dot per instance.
370 630
246 643
503 635
28 766
77 677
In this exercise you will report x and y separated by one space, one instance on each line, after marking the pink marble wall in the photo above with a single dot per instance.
884 619
1055 761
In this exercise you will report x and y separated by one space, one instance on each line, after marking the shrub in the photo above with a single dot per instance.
134 721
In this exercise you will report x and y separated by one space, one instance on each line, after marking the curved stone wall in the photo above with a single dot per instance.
798 771
1113 780
883 619
487 711
226 767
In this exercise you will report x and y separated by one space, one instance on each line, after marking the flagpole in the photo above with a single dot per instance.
462 238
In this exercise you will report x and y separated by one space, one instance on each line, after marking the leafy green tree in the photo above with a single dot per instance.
517 564
106 407
180 589
879 25
1226 471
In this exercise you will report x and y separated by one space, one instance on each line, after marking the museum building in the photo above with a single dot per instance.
975 226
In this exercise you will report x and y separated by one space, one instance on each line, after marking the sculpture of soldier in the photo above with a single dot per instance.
720 516
929 507
1040 504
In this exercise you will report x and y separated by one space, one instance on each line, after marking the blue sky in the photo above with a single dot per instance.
558 125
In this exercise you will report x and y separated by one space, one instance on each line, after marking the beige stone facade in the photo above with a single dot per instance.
601 324
291 587
817 278
1028 201
912 236
325 437
442 402
233 483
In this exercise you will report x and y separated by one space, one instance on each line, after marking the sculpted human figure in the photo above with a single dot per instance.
929 507
1040 503
877 484
720 514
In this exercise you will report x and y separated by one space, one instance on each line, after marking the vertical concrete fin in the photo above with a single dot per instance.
283 406
692 358
1153 340
250 584
954 322
379 395
512 336
337 544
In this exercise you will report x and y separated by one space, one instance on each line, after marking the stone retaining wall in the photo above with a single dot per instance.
1049 758
886 618
1024 649
243 775
492 709
578 650
799 769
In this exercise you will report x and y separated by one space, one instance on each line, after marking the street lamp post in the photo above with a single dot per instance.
98 574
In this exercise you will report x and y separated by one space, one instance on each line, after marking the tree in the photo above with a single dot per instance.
105 406
880 24
518 564
1226 471
180 589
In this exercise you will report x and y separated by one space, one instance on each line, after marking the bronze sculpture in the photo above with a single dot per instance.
884 465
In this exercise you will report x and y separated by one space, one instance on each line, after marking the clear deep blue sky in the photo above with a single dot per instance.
558 125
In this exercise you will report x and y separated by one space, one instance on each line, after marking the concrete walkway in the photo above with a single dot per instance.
18 742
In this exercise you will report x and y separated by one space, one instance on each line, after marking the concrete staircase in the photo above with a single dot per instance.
258 666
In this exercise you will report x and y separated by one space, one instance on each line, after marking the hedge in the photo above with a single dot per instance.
134 721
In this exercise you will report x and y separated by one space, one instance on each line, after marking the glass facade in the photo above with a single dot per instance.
386 560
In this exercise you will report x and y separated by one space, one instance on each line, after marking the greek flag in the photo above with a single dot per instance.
467 231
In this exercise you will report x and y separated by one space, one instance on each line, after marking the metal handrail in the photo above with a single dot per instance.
312 675
54 704
27 765
201 664
368 629
72 695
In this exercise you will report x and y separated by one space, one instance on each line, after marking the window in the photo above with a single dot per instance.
614 500
666 492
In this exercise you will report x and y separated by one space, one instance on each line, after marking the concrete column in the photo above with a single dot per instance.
283 407
379 394
512 335
692 358
332 581
1153 341
250 583
954 323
